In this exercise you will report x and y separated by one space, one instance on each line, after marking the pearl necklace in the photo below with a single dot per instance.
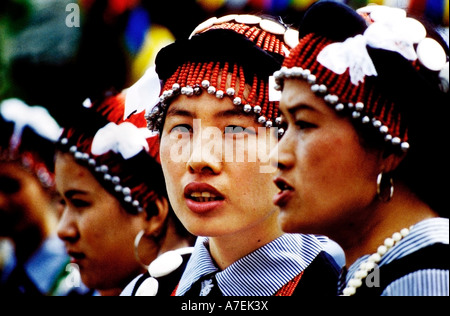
367 266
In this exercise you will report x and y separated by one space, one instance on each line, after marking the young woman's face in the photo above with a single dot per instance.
326 177
216 164
98 233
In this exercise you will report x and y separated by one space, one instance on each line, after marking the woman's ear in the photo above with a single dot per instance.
156 223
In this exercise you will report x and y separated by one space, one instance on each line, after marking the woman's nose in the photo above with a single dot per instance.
67 228
206 154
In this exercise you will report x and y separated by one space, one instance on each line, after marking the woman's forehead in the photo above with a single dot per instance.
207 106
297 95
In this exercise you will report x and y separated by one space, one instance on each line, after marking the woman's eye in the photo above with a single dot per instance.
304 125
183 128
232 129
80 203
235 130
9 185
62 202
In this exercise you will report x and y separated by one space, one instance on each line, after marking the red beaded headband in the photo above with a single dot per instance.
31 163
357 92
113 149
224 78
265 33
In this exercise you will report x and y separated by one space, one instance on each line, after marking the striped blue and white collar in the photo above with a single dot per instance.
260 273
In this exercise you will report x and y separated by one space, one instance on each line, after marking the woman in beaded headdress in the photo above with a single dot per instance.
117 218
364 103
215 119
29 204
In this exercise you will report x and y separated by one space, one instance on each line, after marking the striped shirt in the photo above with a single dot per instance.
430 282
260 273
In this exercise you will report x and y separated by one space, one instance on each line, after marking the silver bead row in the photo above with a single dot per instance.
155 117
333 100
103 169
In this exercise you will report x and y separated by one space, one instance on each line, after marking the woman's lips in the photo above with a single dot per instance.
76 257
202 197
284 196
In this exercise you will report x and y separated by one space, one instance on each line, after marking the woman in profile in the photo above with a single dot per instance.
362 159
29 205
117 219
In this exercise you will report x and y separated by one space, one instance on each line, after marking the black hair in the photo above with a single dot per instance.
219 45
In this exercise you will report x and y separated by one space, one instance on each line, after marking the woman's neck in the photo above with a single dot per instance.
173 240
404 210
225 250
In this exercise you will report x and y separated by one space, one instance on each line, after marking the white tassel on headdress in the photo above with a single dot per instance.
35 117
144 94
125 139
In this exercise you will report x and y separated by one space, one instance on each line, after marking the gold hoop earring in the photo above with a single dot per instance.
137 241
384 193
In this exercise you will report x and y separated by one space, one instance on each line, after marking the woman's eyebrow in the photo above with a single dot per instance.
228 113
177 111
300 107
232 113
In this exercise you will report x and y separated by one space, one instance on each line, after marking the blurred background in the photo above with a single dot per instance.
56 53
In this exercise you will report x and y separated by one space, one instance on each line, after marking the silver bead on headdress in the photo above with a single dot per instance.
348 64
223 79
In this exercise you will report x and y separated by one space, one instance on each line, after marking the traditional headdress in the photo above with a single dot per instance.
122 154
232 56
28 135
376 65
